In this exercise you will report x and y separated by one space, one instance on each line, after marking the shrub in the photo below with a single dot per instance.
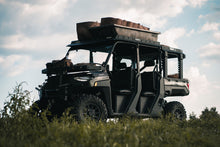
209 114
19 101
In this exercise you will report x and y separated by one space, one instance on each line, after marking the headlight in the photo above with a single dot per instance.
82 79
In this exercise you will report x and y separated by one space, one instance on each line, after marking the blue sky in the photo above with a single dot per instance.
33 32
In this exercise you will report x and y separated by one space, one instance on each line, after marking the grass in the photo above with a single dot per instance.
19 128
26 130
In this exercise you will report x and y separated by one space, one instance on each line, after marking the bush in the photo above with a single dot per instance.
19 100
209 114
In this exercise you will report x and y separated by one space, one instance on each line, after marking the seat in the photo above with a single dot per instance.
122 79
147 93
147 81
124 91
148 89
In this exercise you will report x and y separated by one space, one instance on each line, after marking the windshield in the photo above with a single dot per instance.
98 55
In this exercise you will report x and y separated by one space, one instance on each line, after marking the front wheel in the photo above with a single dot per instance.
89 106
35 108
176 109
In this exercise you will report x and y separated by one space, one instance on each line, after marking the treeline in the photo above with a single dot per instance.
18 127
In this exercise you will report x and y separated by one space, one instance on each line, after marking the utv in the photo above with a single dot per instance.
116 69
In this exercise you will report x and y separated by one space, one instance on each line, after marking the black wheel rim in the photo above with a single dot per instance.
179 114
92 111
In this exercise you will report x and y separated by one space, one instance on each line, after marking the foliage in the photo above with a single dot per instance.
209 114
23 129
19 100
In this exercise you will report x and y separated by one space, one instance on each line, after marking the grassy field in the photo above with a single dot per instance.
19 128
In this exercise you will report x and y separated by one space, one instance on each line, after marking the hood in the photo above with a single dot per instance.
65 65
87 67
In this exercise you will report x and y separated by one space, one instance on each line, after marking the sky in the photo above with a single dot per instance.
34 32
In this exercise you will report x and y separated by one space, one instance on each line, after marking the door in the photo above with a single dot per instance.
125 75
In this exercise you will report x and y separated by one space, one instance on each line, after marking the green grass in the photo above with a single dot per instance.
19 128
25 130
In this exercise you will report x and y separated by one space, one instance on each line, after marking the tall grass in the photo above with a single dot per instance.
24 129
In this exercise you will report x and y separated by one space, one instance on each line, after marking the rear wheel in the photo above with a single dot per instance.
176 109
89 106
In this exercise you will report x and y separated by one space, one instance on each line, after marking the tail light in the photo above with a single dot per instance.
188 85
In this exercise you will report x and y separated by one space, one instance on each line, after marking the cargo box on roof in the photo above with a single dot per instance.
114 28
118 31
83 32
118 21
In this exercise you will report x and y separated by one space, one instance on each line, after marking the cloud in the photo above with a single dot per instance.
210 27
46 9
197 3
210 51
198 81
213 15
149 12
190 33
206 64
35 17
135 15
170 36
15 64
39 24
217 35
203 16
200 90
47 43
46 16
